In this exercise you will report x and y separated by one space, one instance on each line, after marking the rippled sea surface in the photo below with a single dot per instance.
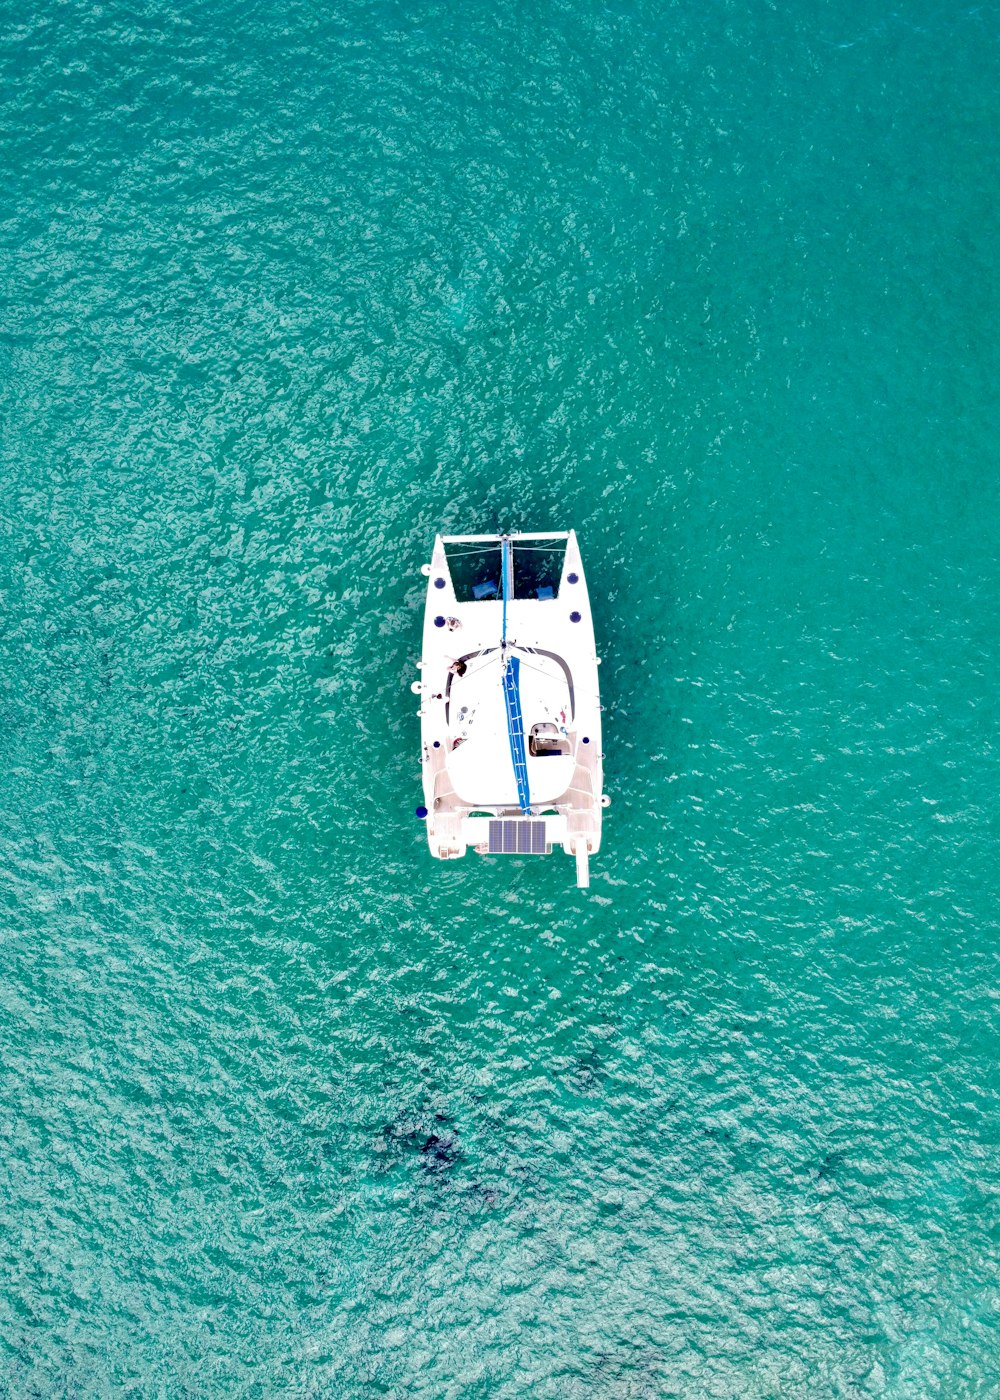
286 1107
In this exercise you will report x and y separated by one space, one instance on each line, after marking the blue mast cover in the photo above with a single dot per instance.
515 729
512 690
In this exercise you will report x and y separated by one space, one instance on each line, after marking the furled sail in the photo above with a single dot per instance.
515 731
512 689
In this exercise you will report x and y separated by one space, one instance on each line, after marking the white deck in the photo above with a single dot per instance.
468 770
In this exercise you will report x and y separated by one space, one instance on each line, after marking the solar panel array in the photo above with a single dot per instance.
517 839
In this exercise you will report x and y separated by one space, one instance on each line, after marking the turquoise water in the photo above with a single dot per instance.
289 1109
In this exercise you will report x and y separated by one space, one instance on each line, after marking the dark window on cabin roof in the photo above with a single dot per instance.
537 569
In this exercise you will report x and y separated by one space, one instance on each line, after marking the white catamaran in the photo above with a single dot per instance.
510 709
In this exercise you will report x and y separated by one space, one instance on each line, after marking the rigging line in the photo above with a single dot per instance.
528 667
464 553
475 671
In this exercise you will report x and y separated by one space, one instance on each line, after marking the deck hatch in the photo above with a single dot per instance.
517 839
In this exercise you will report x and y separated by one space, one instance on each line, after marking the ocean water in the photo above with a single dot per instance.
286 1107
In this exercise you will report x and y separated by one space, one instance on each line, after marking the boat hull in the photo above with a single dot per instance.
477 792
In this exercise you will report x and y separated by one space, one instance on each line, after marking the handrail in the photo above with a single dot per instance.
496 539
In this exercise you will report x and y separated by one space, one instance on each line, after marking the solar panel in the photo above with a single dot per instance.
517 839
